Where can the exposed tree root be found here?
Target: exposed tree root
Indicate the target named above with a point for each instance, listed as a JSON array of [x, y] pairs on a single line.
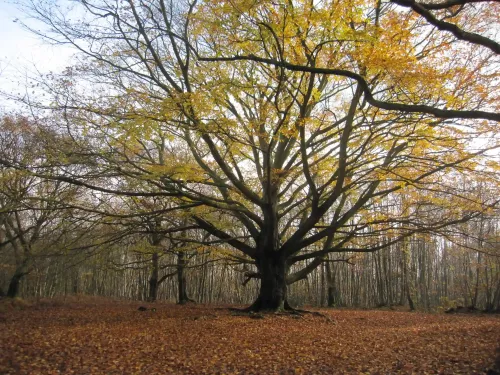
[[186, 301], [286, 310]]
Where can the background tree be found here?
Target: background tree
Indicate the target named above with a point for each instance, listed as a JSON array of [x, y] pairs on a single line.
[[35, 223]]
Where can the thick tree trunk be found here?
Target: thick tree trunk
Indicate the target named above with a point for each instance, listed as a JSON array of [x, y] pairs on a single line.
[[272, 293], [14, 284]]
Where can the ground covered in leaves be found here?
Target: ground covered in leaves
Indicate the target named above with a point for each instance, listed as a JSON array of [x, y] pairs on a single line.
[[112, 337]]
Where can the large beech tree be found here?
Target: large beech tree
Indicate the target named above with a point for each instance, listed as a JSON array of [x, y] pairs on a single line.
[[283, 123]]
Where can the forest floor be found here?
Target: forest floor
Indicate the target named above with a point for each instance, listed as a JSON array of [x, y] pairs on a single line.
[[113, 337]]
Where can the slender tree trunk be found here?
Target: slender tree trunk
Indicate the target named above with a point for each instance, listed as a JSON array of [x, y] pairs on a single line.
[[74, 286], [487, 285], [181, 279], [478, 264], [323, 285], [330, 282], [406, 281], [496, 300], [382, 301], [410, 300], [153, 280], [476, 286]]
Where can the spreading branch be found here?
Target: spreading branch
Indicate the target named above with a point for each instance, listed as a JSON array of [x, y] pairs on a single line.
[[363, 84]]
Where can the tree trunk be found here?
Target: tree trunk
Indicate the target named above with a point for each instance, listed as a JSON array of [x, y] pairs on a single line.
[[74, 285], [410, 300], [478, 276], [272, 293], [323, 286], [495, 306], [181, 279], [330, 282], [153, 280], [14, 284]]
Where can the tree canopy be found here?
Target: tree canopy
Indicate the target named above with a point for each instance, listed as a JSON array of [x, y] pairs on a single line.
[[282, 128]]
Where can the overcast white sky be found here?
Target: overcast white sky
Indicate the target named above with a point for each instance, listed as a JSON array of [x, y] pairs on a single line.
[[22, 53]]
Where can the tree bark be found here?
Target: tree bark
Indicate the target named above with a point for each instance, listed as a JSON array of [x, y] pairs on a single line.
[[181, 279], [14, 284], [330, 282], [272, 292], [74, 284], [153, 280], [15, 281]]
